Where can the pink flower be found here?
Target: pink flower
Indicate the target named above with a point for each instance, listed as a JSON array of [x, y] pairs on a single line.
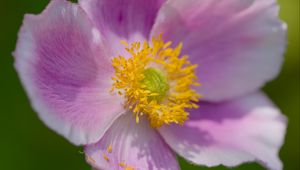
[[67, 59]]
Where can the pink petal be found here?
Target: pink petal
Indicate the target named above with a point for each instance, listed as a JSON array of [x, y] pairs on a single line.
[[123, 17], [238, 44], [135, 145], [131, 20], [65, 72], [244, 130]]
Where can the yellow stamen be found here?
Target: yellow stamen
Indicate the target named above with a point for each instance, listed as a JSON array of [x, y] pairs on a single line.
[[126, 167], [109, 148], [90, 159], [129, 168], [106, 157], [122, 164], [156, 81]]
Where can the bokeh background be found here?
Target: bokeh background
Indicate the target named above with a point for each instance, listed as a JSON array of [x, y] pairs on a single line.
[[27, 144]]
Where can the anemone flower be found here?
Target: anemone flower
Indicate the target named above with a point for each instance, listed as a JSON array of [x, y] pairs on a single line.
[[137, 81]]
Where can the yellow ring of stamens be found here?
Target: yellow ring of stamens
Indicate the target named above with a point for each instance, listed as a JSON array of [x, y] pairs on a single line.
[[156, 82]]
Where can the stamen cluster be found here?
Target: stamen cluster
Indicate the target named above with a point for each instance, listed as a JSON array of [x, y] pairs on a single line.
[[160, 106]]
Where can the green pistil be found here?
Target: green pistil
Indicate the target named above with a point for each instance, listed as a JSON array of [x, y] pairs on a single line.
[[155, 82]]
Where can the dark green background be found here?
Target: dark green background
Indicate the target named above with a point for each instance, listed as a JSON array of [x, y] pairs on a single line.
[[25, 142]]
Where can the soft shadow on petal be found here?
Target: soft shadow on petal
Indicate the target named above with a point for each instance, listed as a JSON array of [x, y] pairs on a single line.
[[238, 44], [123, 17], [135, 145], [129, 20], [247, 129], [66, 74]]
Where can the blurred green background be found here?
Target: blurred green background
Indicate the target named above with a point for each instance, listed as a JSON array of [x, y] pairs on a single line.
[[26, 144]]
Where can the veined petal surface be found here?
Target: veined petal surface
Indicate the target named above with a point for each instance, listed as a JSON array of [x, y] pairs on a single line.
[[66, 74], [131, 145], [238, 44], [246, 129]]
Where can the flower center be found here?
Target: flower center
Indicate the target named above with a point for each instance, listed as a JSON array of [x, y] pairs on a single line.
[[156, 81]]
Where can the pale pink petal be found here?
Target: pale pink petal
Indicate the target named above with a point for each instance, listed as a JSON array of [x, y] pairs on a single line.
[[238, 44], [62, 65], [118, 20], [244, 130], [123, 17], [135, 145]]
